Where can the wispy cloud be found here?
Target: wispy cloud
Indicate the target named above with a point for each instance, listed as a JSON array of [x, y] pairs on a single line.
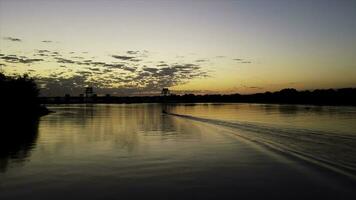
[[132, 52], [162, 65], [241, 60], [201, 60], [19, 59], [123, 57], [65, 61], [251, 87], [43, 51], [13, 39]]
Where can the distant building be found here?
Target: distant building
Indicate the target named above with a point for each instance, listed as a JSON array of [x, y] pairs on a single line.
[[89, 91], [165, 92]]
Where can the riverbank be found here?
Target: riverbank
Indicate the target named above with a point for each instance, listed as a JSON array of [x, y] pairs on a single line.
[[336, 97]]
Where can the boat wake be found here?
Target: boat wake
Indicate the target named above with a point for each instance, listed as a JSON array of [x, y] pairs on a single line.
[[334, 151]]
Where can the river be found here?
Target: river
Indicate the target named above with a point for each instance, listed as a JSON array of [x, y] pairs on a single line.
[[194, 151]]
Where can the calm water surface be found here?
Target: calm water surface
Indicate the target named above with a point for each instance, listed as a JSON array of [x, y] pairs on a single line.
[[322, 134], [206, 151]]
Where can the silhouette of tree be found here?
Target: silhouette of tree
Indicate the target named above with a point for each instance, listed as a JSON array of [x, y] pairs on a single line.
[[19, 97]]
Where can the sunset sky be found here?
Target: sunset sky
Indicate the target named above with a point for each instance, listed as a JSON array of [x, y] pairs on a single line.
[[202, 46]]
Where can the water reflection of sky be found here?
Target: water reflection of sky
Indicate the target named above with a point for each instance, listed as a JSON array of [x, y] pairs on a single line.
[[96, 151], [325, 118]]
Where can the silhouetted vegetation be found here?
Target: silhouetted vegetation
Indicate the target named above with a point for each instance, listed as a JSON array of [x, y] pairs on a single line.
[[345, 96], [19, 98]]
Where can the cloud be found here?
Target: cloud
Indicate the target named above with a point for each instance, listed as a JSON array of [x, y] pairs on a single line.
[[123, 57], [85, 73], [201, 60], [57, 74], [13, 39], [146, 80], [77, 57], [41, 54], [251, 87], [97, 63], [132, 52], [94, 69], [52, 86], [43, 51], [19, 59], [243, 61], [65, 61], [130, 69], [154, 79], [118, 66], [125, 76], [121, 66], [150, 69], [135, 60], [162, 65]]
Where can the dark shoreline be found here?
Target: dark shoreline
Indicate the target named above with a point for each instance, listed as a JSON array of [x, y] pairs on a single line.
[[203, 102], [329, 97]]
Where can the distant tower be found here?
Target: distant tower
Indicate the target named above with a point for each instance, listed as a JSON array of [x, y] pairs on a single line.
[[89, 92], [165, 92]]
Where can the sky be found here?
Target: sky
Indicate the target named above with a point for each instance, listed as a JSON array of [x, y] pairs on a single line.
[[133, 47]]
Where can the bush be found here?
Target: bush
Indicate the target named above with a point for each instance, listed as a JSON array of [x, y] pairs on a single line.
[[19, 96]]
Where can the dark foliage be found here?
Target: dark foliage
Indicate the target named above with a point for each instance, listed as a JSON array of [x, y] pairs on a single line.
[[345, 96], [19, 97]]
